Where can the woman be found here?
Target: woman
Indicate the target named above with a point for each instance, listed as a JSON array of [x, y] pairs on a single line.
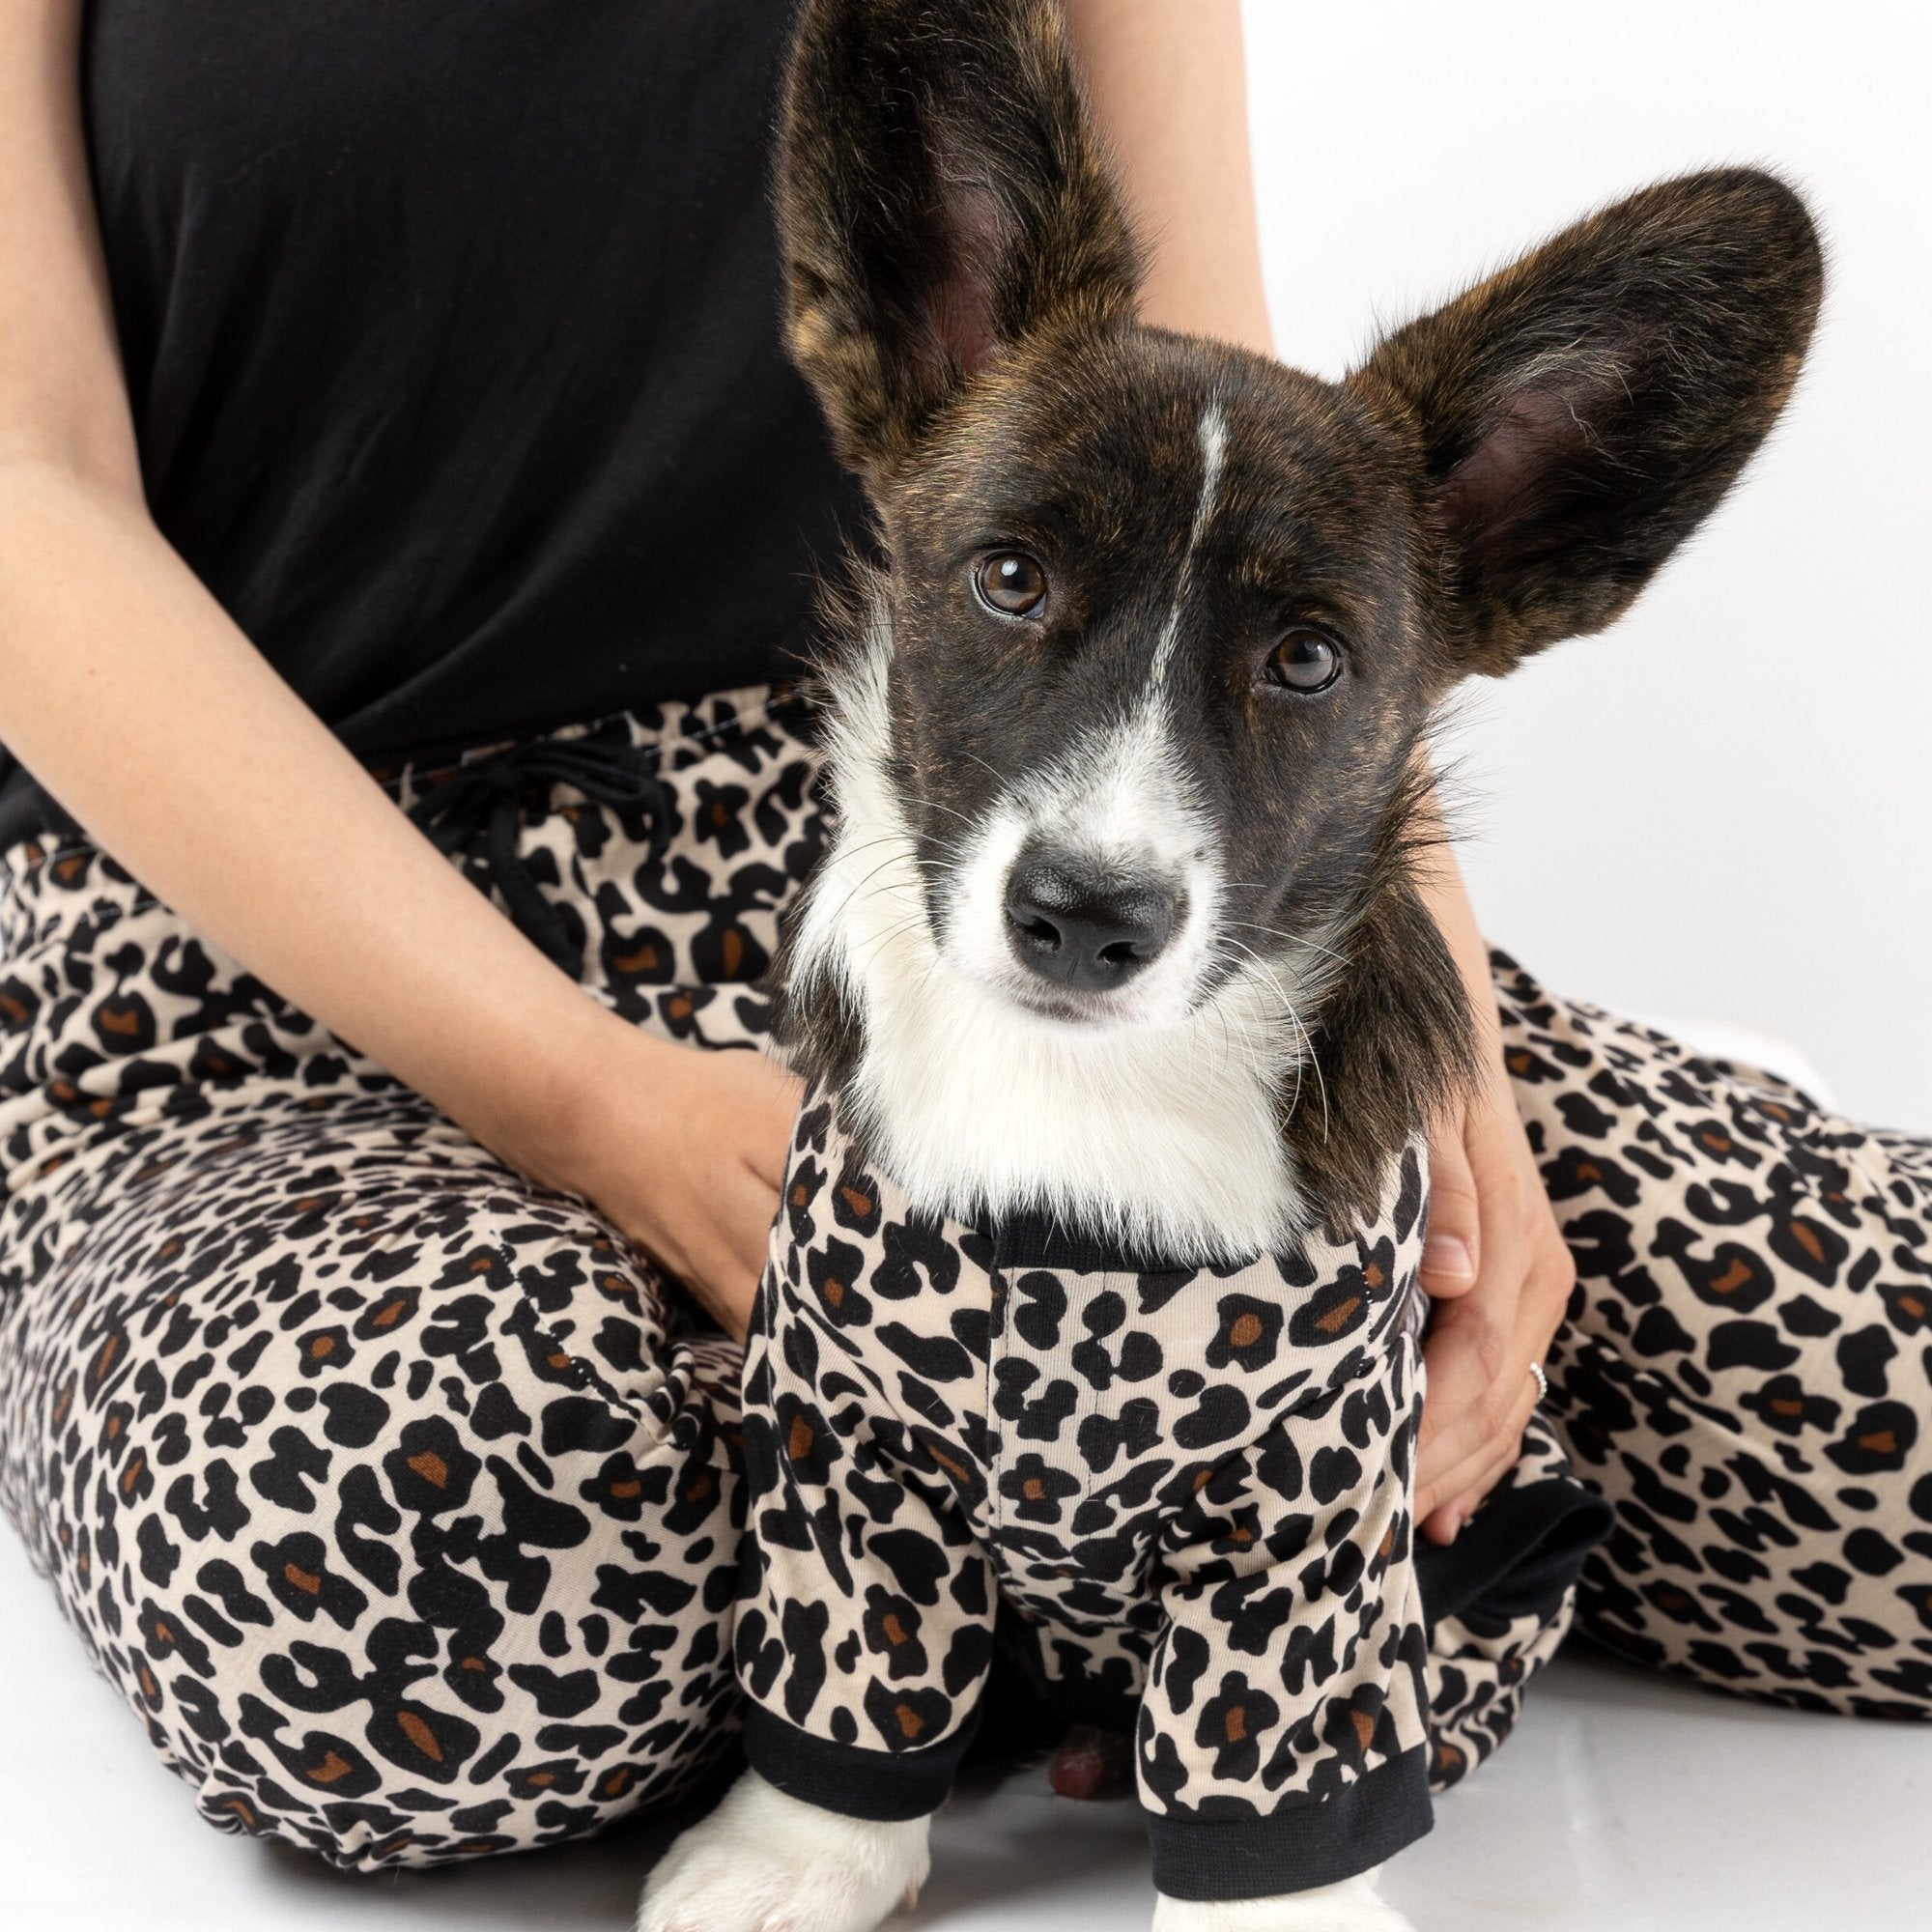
[[394, 441]]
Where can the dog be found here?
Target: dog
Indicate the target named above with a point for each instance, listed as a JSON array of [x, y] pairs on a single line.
[[1116, 981]]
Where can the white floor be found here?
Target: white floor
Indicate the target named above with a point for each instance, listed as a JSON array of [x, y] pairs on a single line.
[[1623, 1805]]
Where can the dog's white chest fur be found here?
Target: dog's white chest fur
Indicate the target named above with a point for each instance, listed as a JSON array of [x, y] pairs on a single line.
[[1165, 1135]]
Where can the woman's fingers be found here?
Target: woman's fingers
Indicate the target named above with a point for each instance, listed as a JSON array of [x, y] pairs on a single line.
[[1452, 1250], [1472, 1336], [1484, 1442], [769, 1138], [696, 1184], [1481, 1391], [1467, 1408], [744, 1230], [1449, 1520], [1546, 1294], [1477, 1351], [1486, 1332], [711, 1238]]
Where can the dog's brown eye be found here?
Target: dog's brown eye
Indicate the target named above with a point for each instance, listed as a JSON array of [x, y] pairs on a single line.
[[1305, 662], [1011, 583]]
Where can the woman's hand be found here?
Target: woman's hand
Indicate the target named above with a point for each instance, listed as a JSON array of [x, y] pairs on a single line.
[[695, 1174], [701, 1188], [1497, 1267], [1495, 1262], [684, 1150]]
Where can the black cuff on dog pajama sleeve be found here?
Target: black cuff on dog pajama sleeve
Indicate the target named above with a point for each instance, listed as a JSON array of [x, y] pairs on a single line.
[[887, 1787], [1304, 1842]]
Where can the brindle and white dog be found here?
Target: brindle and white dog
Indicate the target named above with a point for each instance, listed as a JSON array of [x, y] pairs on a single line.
[[1118, 922]]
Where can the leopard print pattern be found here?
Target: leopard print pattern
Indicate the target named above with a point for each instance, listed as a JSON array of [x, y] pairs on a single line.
[[1191, 1485], [310, 1407], [397, 1495], [1745, 1373]]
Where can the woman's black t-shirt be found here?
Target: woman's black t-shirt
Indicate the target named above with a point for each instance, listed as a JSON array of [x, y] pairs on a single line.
[[451, 328]]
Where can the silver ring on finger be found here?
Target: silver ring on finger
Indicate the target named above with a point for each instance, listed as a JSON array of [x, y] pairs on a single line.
[[1542, 1381]]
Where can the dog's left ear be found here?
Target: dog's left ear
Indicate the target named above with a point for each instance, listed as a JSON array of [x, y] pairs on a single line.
[[1580, 412], [941, 194]]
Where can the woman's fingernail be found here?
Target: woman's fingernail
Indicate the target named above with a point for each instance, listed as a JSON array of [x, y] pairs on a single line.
[[1448, 1256]]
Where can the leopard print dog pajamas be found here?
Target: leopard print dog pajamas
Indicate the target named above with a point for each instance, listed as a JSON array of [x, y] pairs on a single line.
[[1185, 1489]]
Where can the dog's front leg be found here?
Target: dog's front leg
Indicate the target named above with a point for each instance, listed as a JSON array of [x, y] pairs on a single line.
[[765, 1862], [1294, 1645], [1352, 1906]]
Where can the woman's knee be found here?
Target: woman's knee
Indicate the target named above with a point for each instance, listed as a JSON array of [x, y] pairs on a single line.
[[431, 1571], [395, 1633]]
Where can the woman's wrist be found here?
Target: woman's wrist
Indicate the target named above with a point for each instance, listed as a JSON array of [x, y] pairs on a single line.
[[561, 1117]]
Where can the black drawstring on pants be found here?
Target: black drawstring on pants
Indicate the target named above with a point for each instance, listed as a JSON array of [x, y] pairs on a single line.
[[487, 797]]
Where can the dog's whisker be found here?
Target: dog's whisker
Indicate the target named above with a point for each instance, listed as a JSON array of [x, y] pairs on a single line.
[[893, 932], [845, 903], [1280, 933], [1299, 940], [1307, 1057]]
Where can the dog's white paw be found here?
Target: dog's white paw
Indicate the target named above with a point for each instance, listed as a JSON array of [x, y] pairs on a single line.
[[765, 1862], [1352, 1906]]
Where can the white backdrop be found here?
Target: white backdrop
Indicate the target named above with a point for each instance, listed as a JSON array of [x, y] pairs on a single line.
[[1720, 808]]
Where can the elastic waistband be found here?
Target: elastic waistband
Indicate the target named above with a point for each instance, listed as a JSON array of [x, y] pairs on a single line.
[[617, 763], [476, 802], [662, 731]]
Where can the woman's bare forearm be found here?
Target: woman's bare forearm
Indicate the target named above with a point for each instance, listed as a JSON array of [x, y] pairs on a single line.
[[1167, 84], [130, 695]]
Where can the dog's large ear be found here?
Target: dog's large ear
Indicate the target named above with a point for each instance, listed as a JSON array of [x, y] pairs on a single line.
[[941, 193], [1582, 411]]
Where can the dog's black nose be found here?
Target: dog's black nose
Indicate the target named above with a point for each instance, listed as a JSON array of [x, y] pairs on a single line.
[[1080, 930]]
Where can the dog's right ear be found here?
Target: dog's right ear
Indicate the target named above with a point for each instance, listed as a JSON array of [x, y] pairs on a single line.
[[941, 194]]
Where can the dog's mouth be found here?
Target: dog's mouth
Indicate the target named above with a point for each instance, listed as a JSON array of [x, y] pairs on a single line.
[[1063, 1008]]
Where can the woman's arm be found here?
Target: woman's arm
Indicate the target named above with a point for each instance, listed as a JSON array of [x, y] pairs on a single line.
[[1496, 1262], [133, 698], [1167, 84]]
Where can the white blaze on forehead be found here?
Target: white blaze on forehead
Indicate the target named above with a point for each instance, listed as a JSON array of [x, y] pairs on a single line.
[[1212, 433]]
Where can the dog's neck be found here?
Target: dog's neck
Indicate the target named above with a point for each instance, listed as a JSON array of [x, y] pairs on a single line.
[[1165, 1139]]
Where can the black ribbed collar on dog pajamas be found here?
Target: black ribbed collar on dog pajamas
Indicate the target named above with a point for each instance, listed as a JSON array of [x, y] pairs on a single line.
[[1189, 1486]]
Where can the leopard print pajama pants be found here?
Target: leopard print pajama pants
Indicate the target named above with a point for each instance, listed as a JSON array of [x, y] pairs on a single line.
[[402, 1500]]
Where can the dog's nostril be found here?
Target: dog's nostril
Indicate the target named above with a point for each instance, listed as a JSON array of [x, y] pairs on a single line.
[[1078, 929]]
